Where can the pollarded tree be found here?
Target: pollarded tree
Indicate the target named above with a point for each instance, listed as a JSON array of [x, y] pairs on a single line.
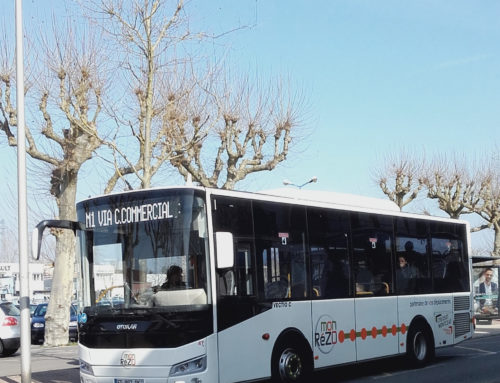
[[488, 203], [450, 183], [250, 129], [145, 37], [180, 114], [399, 179], [68, 89]]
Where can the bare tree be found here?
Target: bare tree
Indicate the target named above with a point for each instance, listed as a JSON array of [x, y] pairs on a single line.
[[399, 179], [487, 204], [146, 37], [68, 90], [250, 129], [450, 183], [181, 114]]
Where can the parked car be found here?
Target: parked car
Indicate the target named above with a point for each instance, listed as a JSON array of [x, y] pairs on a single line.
[[10, 328], [38, 324], [33, 307]]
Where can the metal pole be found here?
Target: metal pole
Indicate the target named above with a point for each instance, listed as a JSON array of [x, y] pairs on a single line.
[[22, 208]]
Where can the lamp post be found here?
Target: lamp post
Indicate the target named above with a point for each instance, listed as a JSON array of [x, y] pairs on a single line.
[[22, 205], [290, 183]]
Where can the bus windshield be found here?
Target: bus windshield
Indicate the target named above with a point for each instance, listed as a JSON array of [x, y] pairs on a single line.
[[144, 250]]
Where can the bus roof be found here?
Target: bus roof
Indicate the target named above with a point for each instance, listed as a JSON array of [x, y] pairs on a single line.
[[334, 198]]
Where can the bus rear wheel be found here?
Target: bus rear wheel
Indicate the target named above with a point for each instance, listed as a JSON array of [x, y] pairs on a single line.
[[290, 363], [419, 345]]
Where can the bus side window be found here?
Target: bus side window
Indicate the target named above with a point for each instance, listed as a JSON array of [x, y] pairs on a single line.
[[449, 267], [372, 251]]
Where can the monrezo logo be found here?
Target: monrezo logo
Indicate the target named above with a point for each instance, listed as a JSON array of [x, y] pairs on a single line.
[[325, 335]]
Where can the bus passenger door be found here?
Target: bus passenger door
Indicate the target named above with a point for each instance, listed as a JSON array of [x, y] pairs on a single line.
[[377, 331], [333, 332], [332, 307], [239, 317]]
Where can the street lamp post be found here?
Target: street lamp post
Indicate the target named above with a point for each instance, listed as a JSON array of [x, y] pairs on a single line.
[[22, 204], [290, 183]]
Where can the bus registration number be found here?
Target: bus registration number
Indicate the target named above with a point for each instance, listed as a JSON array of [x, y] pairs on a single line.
[[129, 380]]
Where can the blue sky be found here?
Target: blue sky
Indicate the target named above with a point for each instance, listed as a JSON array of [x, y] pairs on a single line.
[[378, 76]]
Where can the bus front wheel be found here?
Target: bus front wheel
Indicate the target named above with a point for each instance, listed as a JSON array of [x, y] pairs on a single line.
[[290, 363], [419, 345]]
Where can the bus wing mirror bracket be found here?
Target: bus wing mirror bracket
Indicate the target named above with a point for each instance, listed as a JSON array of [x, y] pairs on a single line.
[[37, 234], [225, 249]]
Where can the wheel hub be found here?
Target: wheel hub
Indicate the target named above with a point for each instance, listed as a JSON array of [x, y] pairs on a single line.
[[290, 365], [420, 346]]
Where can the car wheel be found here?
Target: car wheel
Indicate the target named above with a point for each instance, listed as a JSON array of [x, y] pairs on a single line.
[[9, 352]]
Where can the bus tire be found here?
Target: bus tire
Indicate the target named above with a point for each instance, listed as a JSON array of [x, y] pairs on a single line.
[[291, 361], [419, 344]]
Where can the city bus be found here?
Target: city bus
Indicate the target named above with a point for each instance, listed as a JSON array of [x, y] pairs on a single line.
[[276, 284]]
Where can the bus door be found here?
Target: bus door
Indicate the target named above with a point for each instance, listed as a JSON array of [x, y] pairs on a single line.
[[332, 310], [377, 332], [333, 317], [238, 317]]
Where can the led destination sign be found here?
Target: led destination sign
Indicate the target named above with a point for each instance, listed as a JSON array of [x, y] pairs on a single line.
[[128, 214]]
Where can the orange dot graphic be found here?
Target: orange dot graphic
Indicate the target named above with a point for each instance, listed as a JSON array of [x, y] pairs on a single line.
[[374, 332], [403, 329], [352, 335], [394, 329], [341, 336], [363, 333], [384, 331]]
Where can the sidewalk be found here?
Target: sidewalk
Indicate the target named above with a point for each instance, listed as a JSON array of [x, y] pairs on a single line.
[[487, 329], [48, 365]]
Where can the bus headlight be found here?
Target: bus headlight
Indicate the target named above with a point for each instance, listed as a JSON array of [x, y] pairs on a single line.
[[189, 367], [86, 368]]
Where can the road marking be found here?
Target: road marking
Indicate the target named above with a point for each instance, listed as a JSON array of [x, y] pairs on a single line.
[[477, 349]]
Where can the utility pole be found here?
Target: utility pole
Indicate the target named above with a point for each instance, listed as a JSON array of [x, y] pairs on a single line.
[[22, 207]]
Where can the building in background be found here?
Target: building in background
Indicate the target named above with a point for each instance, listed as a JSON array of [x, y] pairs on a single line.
[[9, 282]]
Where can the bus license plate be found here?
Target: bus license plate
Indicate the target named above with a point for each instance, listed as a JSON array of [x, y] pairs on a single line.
[[129, 380]]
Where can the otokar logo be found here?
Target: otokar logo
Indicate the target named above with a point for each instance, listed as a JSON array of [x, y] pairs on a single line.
[[325, 336], [128, 326]]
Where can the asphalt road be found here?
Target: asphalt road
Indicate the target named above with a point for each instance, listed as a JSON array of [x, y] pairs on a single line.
[[60, 364]]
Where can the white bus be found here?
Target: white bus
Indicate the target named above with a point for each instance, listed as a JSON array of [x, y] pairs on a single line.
[[274, 285]]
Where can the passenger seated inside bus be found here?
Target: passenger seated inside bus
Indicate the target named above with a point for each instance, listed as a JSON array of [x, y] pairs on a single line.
[[406, 276]]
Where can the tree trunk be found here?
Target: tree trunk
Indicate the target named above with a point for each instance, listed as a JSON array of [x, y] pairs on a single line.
[[57, 318], [496, 246]]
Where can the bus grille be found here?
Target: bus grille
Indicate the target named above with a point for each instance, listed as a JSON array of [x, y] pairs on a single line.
[[461, 303], [462, 324]]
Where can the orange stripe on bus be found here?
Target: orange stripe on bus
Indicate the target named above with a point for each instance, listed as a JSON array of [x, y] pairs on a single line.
[[374, 332]]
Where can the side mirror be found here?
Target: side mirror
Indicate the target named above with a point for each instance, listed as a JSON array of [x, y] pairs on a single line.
[[37, 234], [36, 242], [224, 249]]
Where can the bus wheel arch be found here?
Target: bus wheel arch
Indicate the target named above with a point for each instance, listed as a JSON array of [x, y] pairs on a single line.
[[291, 359], [420, 347]]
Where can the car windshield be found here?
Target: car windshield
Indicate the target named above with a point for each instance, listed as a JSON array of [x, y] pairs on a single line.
[[9, 308], [144, 249], [41, 310]]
